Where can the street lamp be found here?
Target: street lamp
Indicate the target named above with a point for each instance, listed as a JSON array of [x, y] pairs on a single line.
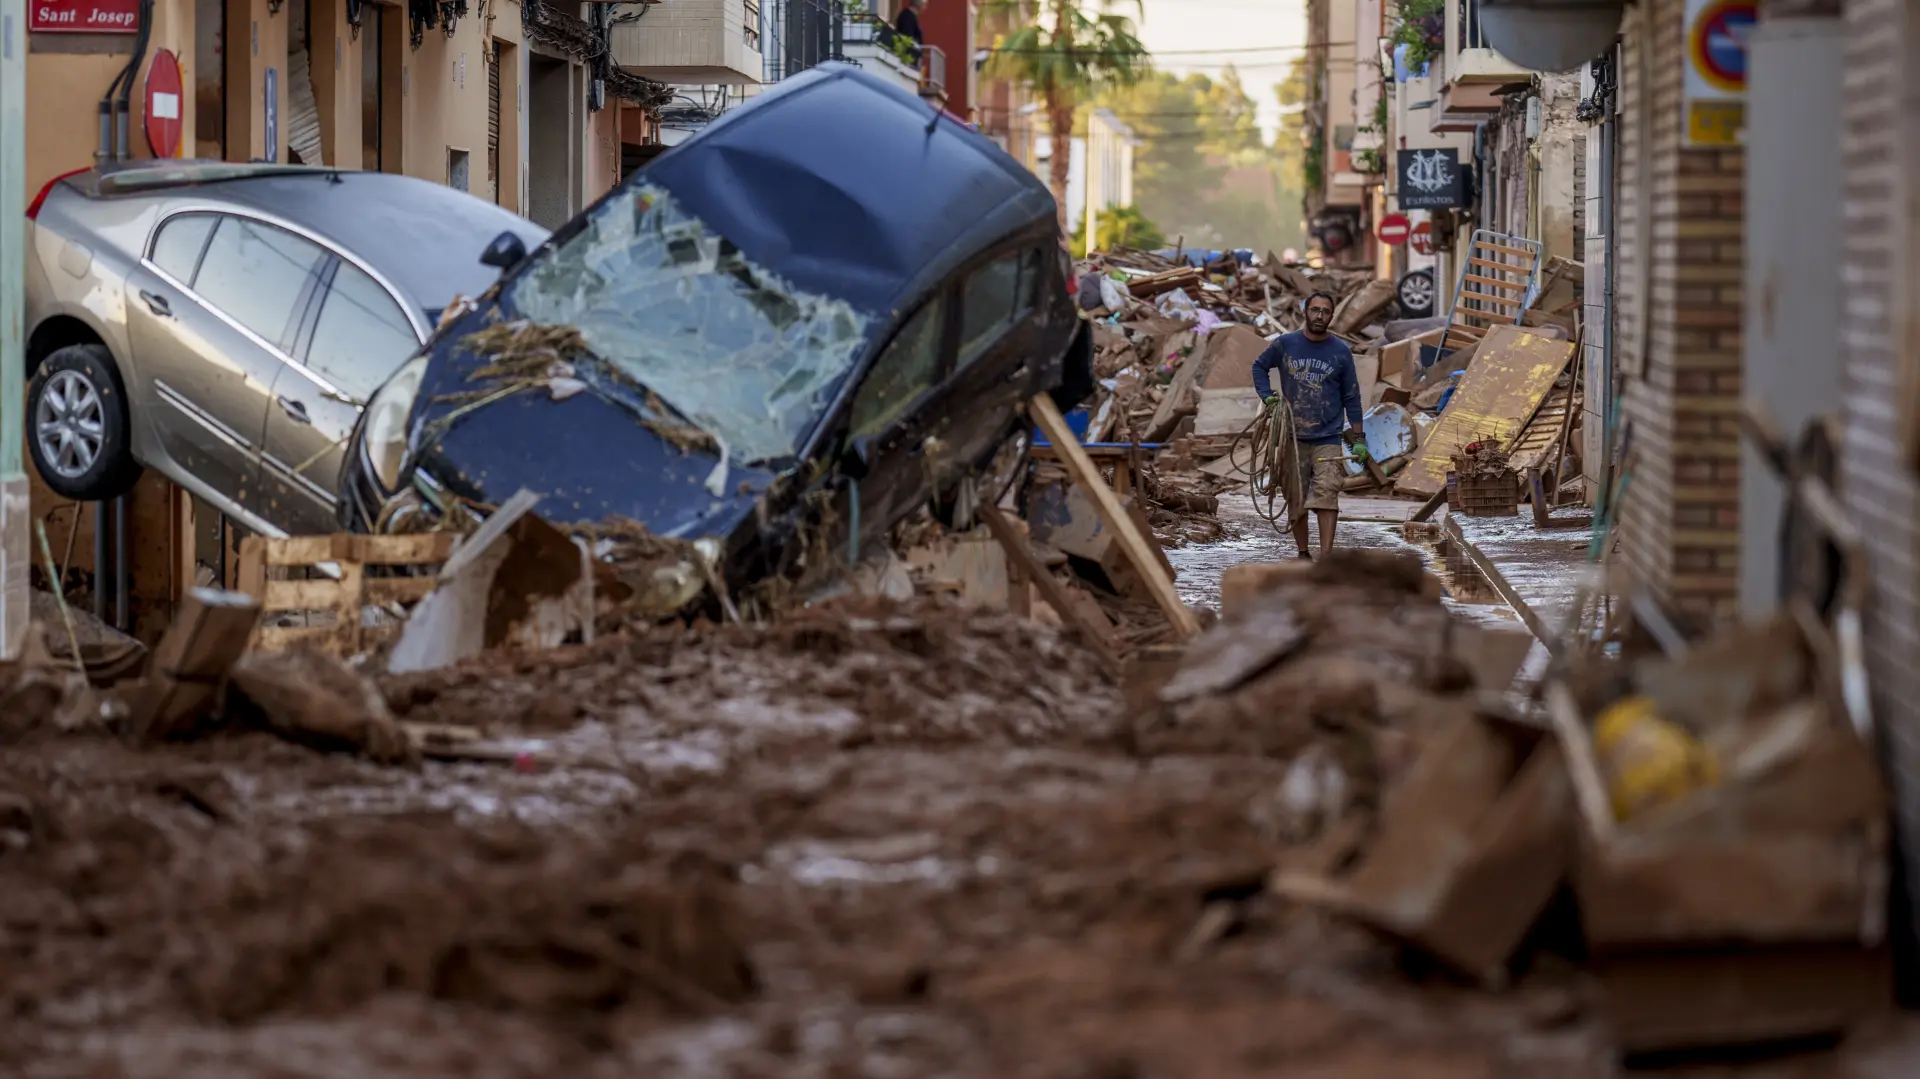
[[14, 511]]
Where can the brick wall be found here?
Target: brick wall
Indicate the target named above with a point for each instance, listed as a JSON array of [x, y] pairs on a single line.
[[1881, 491], [1680, 524]]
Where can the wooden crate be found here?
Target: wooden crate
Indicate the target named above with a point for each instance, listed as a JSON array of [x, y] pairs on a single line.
[[1483, 496], [333, 611]]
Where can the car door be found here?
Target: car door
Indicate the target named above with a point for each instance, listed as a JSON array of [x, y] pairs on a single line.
[[997, 349], [209, 311], [356, 334], [890, 417]]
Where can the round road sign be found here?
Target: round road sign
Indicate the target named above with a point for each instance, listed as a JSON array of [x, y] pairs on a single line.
[[1717, 43], [1422, 239], [163, 105], [1394, 228]]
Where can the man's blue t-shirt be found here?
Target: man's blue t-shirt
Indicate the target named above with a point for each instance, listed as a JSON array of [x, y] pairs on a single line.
[[1318, 380]]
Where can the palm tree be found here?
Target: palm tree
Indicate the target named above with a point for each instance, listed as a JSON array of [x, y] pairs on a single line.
[[1080, 54]]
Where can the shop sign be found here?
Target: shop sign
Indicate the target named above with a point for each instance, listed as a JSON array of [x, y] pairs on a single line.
[[1431, 180]]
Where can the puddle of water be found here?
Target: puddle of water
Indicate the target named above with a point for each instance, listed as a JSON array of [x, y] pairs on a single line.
[[1198, 568]]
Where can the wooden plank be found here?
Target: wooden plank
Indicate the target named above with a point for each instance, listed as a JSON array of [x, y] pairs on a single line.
[[1020, 556], [1517, 286], [1505, 250], [382, 590], [321, 595], [1511, 373], [1487, 297], [346, 627], [253, 566], [406, 550], [279, 638], [302, 550], [207, 637], [1139, 548], [1505, 266]]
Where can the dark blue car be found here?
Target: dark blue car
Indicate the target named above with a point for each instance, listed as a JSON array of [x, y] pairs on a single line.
[[822, 312]]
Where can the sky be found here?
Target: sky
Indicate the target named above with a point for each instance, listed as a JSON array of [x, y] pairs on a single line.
[[1259, 37]]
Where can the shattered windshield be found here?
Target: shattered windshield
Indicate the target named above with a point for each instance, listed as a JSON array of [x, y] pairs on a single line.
[[680, 310]]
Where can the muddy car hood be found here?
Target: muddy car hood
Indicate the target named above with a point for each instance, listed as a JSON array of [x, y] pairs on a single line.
[[589, 459]]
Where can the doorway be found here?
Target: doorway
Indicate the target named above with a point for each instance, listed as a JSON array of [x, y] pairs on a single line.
[[210, 79], [550, 140]]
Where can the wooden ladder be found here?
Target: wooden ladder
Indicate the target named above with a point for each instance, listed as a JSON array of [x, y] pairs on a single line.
[[1496, 280]]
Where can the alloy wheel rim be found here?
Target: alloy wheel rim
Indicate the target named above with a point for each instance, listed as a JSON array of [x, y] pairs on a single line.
[[70, 424], [1416, 292]]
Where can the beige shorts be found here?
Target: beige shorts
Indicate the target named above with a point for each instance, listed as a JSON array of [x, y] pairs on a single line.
[[1323, 472]]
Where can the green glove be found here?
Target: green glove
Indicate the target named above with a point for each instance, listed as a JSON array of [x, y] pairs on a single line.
[[1360, 452]]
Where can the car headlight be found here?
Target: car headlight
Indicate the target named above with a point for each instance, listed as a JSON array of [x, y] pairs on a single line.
[[386, 432]]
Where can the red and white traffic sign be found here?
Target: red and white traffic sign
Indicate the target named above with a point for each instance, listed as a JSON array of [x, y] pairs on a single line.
[[1423, 238], [83, 16], [163, 105], [1393, 229]]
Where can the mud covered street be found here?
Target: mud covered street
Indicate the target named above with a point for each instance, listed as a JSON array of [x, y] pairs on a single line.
[[871, 840]]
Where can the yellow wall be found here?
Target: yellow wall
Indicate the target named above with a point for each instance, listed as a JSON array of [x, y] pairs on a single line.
[[64, 90]]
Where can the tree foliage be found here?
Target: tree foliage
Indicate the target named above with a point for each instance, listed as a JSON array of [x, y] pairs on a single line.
[[1202, 168], [1119, 226], [1063, 52]]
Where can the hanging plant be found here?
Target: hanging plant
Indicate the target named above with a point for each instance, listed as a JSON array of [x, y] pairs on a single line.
[[1422, 27]]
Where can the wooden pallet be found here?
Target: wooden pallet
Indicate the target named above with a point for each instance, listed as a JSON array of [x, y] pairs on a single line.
[[286, 576], [1495, 278]]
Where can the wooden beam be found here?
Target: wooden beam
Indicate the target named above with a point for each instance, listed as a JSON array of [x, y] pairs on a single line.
[[1021, 556], [1140, 549], [1516, 286]]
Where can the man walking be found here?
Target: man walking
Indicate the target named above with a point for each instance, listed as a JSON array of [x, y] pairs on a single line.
[[1318, 382]]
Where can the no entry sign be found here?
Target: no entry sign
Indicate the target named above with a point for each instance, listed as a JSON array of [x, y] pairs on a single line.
[[1394, 229], [83, 16], [1423, 238], [163, 105]]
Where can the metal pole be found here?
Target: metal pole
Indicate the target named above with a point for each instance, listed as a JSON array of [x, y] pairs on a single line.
[[15, 556]]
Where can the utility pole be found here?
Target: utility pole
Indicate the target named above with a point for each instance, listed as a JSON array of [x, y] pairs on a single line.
[[15, 544]]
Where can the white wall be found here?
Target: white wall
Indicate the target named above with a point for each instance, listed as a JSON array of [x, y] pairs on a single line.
[[1795, 191]]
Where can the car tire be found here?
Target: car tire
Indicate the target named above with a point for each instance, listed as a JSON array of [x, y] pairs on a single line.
[[1416, 294], [79, 431], [993, 479]]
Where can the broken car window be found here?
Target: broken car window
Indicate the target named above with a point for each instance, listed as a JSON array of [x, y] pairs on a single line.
[[993, 298], [676, 307], [905, 370]]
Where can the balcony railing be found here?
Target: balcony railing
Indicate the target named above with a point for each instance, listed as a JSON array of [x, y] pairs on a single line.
[[933, 70]]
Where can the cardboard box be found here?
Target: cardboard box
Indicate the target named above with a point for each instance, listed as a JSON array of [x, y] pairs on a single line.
[[1470, 847]]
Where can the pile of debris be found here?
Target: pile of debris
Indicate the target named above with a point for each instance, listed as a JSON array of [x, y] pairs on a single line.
[[1175, 345]]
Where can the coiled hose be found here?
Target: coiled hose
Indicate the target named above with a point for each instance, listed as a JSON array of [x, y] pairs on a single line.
[[1273, 469]]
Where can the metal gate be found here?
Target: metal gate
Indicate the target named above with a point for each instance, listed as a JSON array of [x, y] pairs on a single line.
[[493, 126]]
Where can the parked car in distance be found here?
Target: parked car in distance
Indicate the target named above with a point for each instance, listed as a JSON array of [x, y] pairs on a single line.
[[224, 323], [820, 313]]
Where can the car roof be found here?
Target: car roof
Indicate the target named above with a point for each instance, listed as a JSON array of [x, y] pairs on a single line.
[[851, 187], [425, 238]]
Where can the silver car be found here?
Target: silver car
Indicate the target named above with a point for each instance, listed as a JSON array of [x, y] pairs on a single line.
[[224, 323]]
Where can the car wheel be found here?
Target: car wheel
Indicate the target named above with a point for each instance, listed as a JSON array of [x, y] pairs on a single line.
[[78, 426], [1416, 294], [959, 509]]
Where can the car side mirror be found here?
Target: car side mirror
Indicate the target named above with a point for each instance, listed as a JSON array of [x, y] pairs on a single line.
[[856, 460], [505, 252]]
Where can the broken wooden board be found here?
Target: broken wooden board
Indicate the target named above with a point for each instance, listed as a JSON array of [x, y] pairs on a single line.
[[1141, 549], [1092, 625], [208, 636], [1541, 436], [1512, 372]]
